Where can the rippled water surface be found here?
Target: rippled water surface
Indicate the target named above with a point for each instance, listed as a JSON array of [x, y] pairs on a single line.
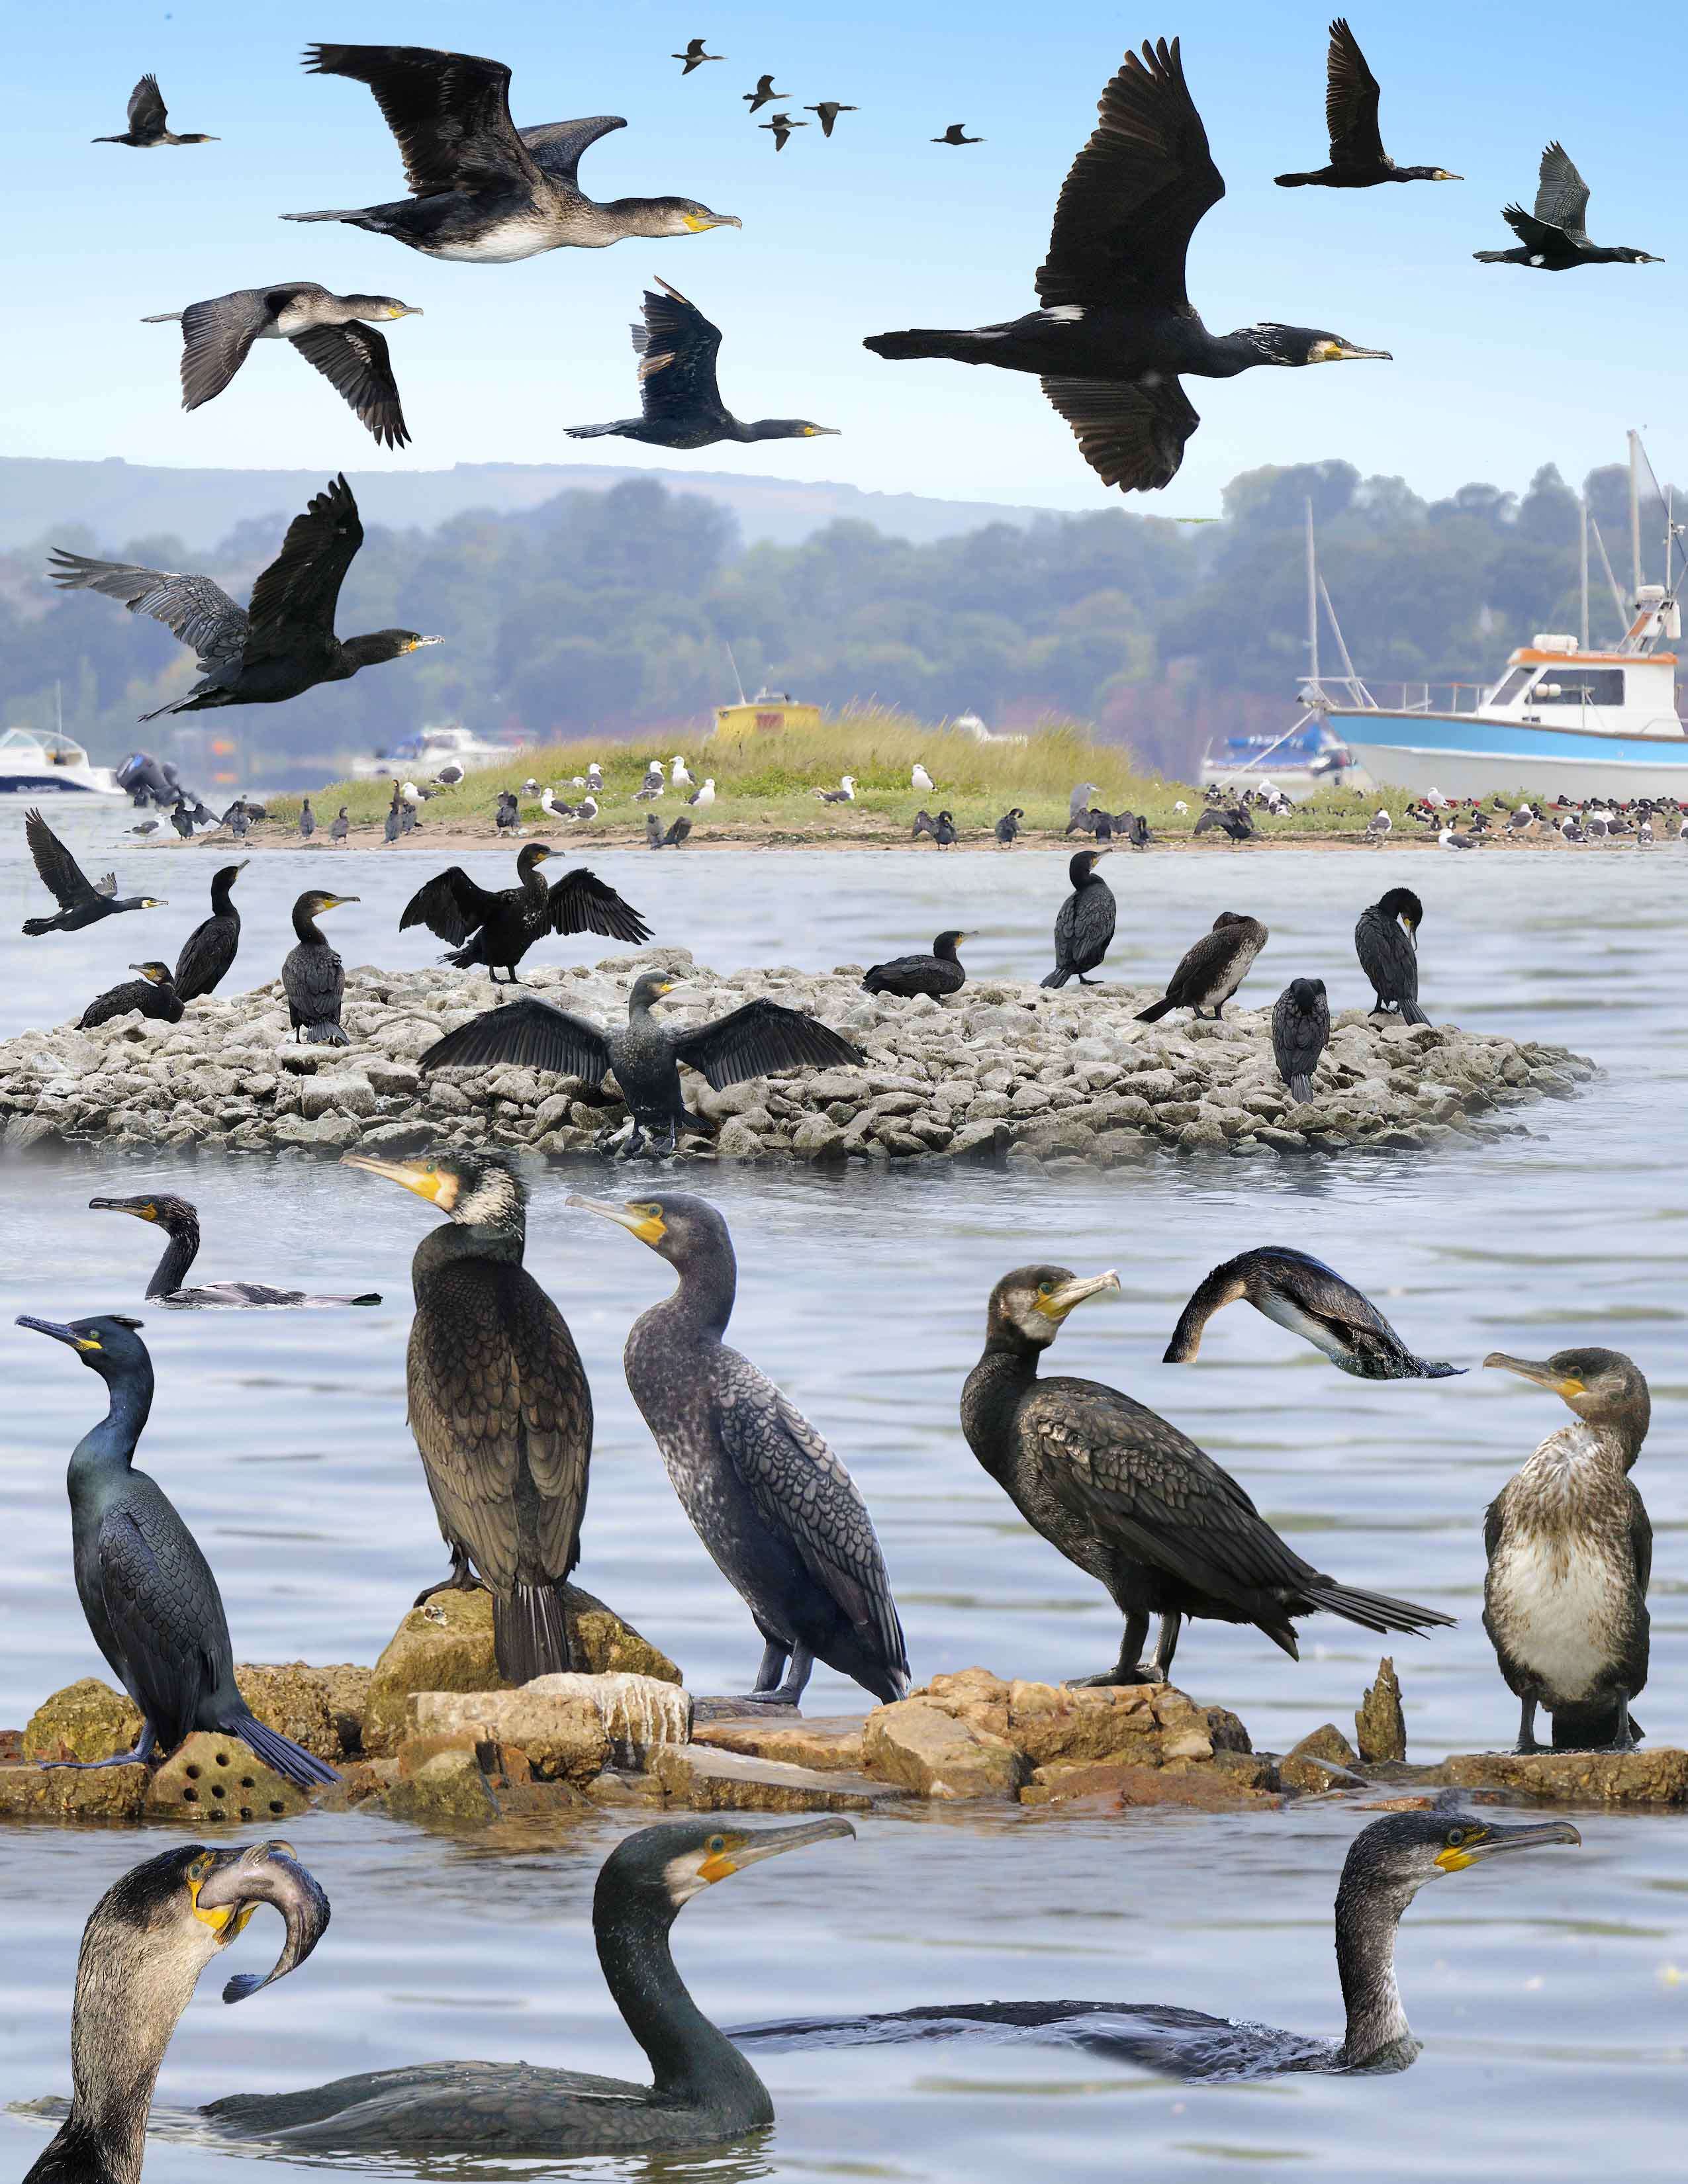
[[1551, 1993]]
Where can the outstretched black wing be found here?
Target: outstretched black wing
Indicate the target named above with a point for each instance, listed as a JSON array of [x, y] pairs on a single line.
[[760, 1037], [580, 902], [450, 905], [530, 1032], [557, 145], [1350, 101], [216, 339], [1130, 436], [63, 878], [448, 113], [677, 347], [191, 608], [1562, 194], [147, 113], [355, 362], [296, 596], [165, 1612]]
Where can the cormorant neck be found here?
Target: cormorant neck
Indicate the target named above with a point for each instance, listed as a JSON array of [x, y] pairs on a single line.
[[709, 1282], [692, 2063], [111, 1444], [1368, 1916], [1006, 1370], [306, 928], [371, 650], [222, 902], [453, 1241], [129, 2000], [180, 1253]]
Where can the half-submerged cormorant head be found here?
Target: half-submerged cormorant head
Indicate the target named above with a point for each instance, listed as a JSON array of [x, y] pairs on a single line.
[[109, 1345], [1298, 345], [1395, 1855], [175, 1215], [1603, 1386], [479, 1189], [1030, 1305], [667, 1866], [678, 1227], [1402, 903]]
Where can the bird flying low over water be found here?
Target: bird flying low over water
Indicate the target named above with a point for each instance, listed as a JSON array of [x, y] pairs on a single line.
[[1312, 1301], [147, 119], [1358, 160], [694, 56], [1553, 239], [81, 903], [1117, 329], [829, 110]]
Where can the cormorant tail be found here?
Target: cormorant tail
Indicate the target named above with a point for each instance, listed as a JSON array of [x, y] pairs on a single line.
[[530, 1633], [873, 984], [1372, 1611], [1154, 1011], [325, 1034], [923, 340], [1411, 1013], [1589, 1729], [35, 927], [275, 1750], [1058, 977], [1300, 1089], [1427, 1369], [598, 432], [1292, 181], [1493, 257]]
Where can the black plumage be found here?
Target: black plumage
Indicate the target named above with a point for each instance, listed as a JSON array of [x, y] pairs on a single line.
[[764, 94], [151, 995], [179, 1220], [1312, 1301], [673, 838], [1235, 823], [497, 927], [148, 121], [82, 901], [1553, 239], [694, 56], [209, 952], [1358, 160], [1008, 827], [1209, 971], [829, 110], [938, 974], [1386, 942], [1084, 923], [313, 976], [1301, 1032]]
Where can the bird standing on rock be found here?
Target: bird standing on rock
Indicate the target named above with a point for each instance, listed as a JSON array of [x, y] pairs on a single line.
[[1084, 924], [1386, 942], [151, 995], [313, 976], [496, 927], [1301, 1032], [1211, 971], [937, 975], [209, 952]]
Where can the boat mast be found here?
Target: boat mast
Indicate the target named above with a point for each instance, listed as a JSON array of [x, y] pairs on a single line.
[[1582, 570], [1635, 507], [1312, 595]]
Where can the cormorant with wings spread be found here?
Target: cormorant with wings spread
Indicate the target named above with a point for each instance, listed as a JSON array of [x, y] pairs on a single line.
[[498, 927], [80, 901], [1358, 160], [1553, 238]]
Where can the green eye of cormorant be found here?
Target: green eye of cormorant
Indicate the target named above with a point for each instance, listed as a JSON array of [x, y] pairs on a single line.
[[1045, 1288], [716, 1845]]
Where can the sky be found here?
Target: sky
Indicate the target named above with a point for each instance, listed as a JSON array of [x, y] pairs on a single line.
[[1496, 370]]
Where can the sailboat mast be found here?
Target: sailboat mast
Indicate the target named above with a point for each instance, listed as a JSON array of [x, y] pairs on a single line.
[[1313, 594], [1582, 569], [1636, 507]]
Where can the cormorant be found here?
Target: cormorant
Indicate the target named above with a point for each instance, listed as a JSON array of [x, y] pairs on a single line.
[[937, 974], [694, 56], [1358, 160], [782, 1518], [181, 1223], [782, 125], [1130, 1499], [306, 823], [284, 644], [1117, 329], [764, 94], [1084, 923], [1235, 823], [1553, 238], [208, 951], [496, 927], [148, 117], [829, 110], [1386, 942], [1008, 826], [217, 336], [1389, 1861], [1211, 971], [147, 1941], [704, 2092], [238, 820], [1301, 1032], [151, 995], [181, 819], [499, 1404], [1570, 1553], [675, 839], [313, 976], [481, 189], [943, 830], [81, 902], [956, 133], [679, 394], [1312, 1301], [151, 1601]]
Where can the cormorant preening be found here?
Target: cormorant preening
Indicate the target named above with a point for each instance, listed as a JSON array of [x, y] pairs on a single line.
[[957, 133], [181, 1223], [218, 334], [1358, 160], [499, 1404], [755, 1040], [1084, 924], [151, 995], [313, 976], [704, 2091], [782, 1518], [284, 643], [829, 110], [81, 902], [341, 828], [1388, 1863], [1386, 942], [1301, 1032], [1570, 1553], [481, 189], [1008, 826], [1130, 1499], [1553, 238], [208, 951], [148, 1594], [694, 56], [497, 927], [1117, 328], [679, 395], [147, 1941], [1211, 971], [939, 974], [1312, 1301], [764, 94], [148, 117]]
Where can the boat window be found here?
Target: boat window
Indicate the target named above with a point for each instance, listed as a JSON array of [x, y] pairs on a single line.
[[1579, 686], [1509, 688]]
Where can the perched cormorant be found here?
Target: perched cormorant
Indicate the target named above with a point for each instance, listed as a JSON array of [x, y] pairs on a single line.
[[675, 839], [151, 995], [1008, 826], [1358, 160], [956, 133], [500, 1404], [1117, 329], [829, 110], [704, 2092], [180, 1222], [151, 1601], [1235, 824], [1084, 923], [182, 819], [341, 828], [496, 927], [81, 903], [218, 334], [782, 1518], [313, 976], [1553, 238], [481, 189], [1301, 1032], [1386, 942], [764, 94], [307, 820], [284, 644], [147, 1941], [755, 1040], [679, 395], [694, 56], [208, 951], [1570, 1553], [1312, 1301], [148, 117], [1211, 971], [1131, 1500], [937, 974]]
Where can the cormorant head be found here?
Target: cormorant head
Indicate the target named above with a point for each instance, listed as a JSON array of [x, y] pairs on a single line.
[[1599, 1385], [160, 1924], [225, 876], [1028, 1306], [1084, 864], [684, 216], [1306, 993], [1395, 1855], [1426, 175], [1230, 917], [533, 853], [1297, 345], [175, 1215], [679, 1228], [109, 1345], [381, 645], [793, 428], [477, 1189], [1626, 255], [651, 986], [381, 307], [155, 974], [314, 901], [1403, 904], [667, 1866], [947, 943]]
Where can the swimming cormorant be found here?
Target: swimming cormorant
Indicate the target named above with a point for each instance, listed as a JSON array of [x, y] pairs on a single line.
[[147, 119], [1386, 942], [694, 56], [937, 974], [151, 1601], [764, 94], [497, 927], [208, 951], [956, 133], [1301, 1032], [81, 903], [829, 110], [151, 995], [1084, 924], [481, 189], [1570, 1553], [313, 976], [679, 394], [1211, 971], [498, 1404], [1117, 329], [1358, 160], [1130, 1499], [180, 1222], [1553, 238], [782, 1518], [1312, 1301]]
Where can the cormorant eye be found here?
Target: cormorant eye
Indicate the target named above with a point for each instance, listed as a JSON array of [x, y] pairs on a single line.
[[199, 1868], [1045, 1288], [1456, 1838], [716, 1845]]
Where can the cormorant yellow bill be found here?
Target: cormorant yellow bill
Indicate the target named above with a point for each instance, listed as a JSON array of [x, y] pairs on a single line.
[[1469, 1841], [428, 1178], [1333, 350], [1057, 1299], [1545, 1375], [640, 1218], [72, 1337], [730, 1851]]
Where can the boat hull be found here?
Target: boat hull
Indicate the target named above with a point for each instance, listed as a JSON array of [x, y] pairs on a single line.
[[58, 782], [1464, 755]]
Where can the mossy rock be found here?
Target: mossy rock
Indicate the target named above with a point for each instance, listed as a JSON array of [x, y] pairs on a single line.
[[86, 1720]]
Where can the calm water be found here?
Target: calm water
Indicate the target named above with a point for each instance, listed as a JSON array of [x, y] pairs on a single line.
[[1552, 1995]]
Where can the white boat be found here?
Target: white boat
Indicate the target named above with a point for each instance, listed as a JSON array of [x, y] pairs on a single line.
[[45, 762], [431, 750]]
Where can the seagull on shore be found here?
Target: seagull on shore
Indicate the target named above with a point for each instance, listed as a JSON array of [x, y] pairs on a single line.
[[920, 780], [1380, 827], [448, 775], [654, 784], [679, 775], [843, 793], [705, 795], [1450, 840]]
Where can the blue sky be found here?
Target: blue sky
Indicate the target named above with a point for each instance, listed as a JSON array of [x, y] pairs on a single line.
[[1496, 370]]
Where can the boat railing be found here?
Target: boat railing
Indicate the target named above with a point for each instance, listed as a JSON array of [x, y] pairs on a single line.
[[1350, 695]]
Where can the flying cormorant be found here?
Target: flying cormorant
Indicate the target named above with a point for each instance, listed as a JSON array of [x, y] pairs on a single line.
[[694, 56], [1084, 924], [829, 110], [782, 1518], [1386, 942], [1117, 329], [764, 94], [148, 117], [151, 1601], [180, 1222], [1312, 1301], [81, 903], [1301, 1032], [1553, 238], [151, 995], [496, 927], [1130, 1499], [313, 976], [1358, 160], [956, 133], [937, 974], [208, 951], [1211, 971], [782, 125]]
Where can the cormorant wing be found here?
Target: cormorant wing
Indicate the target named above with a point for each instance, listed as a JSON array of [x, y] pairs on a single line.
[[1387, 958], [193, 608], [448, 113], [1135, 194], [163, 1607], [62, 877], [295, 597], [1130, 436], [760, 1037], [1562, 194], [355, 362], [557, 145], [580, 902], [449, 904], [1641, 1542], [531, 1032], [147, 114], [106, 884], [1197, 963], [216, 338], [1352, 94], [1535, 235], [676, 357]]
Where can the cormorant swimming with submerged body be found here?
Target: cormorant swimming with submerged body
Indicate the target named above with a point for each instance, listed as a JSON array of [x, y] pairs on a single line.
[[151, 995], [313, 976], [1084, 923], [497, 927], [1386, 942], [209, 952], [1130, 1499], [782, 1518], [1211, 971], [180, 1222], [938, 974], [1570, 1554], [148, 120], [1312, 1301], [1553, 239], [81, 902], [1301, 1032], [151, 1601], [1358, 160], [499, 1404]]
